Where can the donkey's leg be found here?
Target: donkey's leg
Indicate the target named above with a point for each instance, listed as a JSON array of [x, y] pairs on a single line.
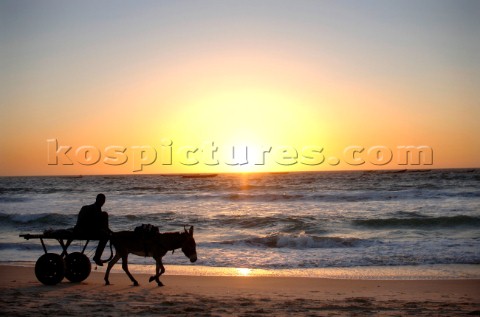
[[125, 268], [157, 269], [159, 266], [110, 265]]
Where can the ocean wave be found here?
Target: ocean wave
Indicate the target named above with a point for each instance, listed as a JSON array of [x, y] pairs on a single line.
[[38, 190], [289, 223], [15, 190], [411, 214], [4, 199], [390, 194], [153, 218], [20, 246], [147, 188], [246, 222], [299, 241], [53, 219], [420, 222], [263, 197]]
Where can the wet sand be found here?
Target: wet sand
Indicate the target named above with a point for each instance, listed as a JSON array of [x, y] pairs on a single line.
[[22, 295]]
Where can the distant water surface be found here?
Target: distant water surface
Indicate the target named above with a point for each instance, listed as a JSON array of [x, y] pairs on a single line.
[[267, 221]]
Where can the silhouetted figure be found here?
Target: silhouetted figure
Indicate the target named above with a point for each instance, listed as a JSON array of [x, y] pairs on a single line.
[[93, 222]]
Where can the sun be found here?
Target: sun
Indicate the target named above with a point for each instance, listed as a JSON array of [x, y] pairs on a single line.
[[244, 271], [244, 123]]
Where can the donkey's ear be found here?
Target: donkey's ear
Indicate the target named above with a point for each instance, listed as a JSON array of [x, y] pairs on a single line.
[[191, 231]]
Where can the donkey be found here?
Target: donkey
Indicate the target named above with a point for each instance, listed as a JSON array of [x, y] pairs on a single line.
[[126, 242]]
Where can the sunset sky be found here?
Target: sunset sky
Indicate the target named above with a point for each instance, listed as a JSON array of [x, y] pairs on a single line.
[[330, 74]]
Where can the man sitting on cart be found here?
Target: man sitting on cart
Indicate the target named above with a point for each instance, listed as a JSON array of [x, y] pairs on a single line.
[[92, 223]]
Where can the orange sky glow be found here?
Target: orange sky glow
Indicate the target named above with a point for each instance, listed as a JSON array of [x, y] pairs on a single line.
[[172, 77]]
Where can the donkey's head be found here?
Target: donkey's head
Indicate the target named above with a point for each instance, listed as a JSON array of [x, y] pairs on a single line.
[[189, 247]]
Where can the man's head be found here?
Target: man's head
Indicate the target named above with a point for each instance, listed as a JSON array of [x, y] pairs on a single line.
[[100, 200]]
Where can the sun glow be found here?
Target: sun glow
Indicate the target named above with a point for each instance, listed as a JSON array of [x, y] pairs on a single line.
[[244, 75], [244, 271], [244, 116], [237, 119]]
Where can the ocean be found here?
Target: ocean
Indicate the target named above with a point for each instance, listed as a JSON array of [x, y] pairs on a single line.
[[371, 224]]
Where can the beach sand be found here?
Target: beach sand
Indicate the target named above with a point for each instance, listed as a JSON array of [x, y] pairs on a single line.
[[22, 295]]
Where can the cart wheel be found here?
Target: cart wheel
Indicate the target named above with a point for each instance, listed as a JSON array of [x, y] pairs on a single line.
[[77, 267], [50, 269]]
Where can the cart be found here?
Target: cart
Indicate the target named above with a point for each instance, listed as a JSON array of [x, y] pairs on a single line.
[[51, 268]]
